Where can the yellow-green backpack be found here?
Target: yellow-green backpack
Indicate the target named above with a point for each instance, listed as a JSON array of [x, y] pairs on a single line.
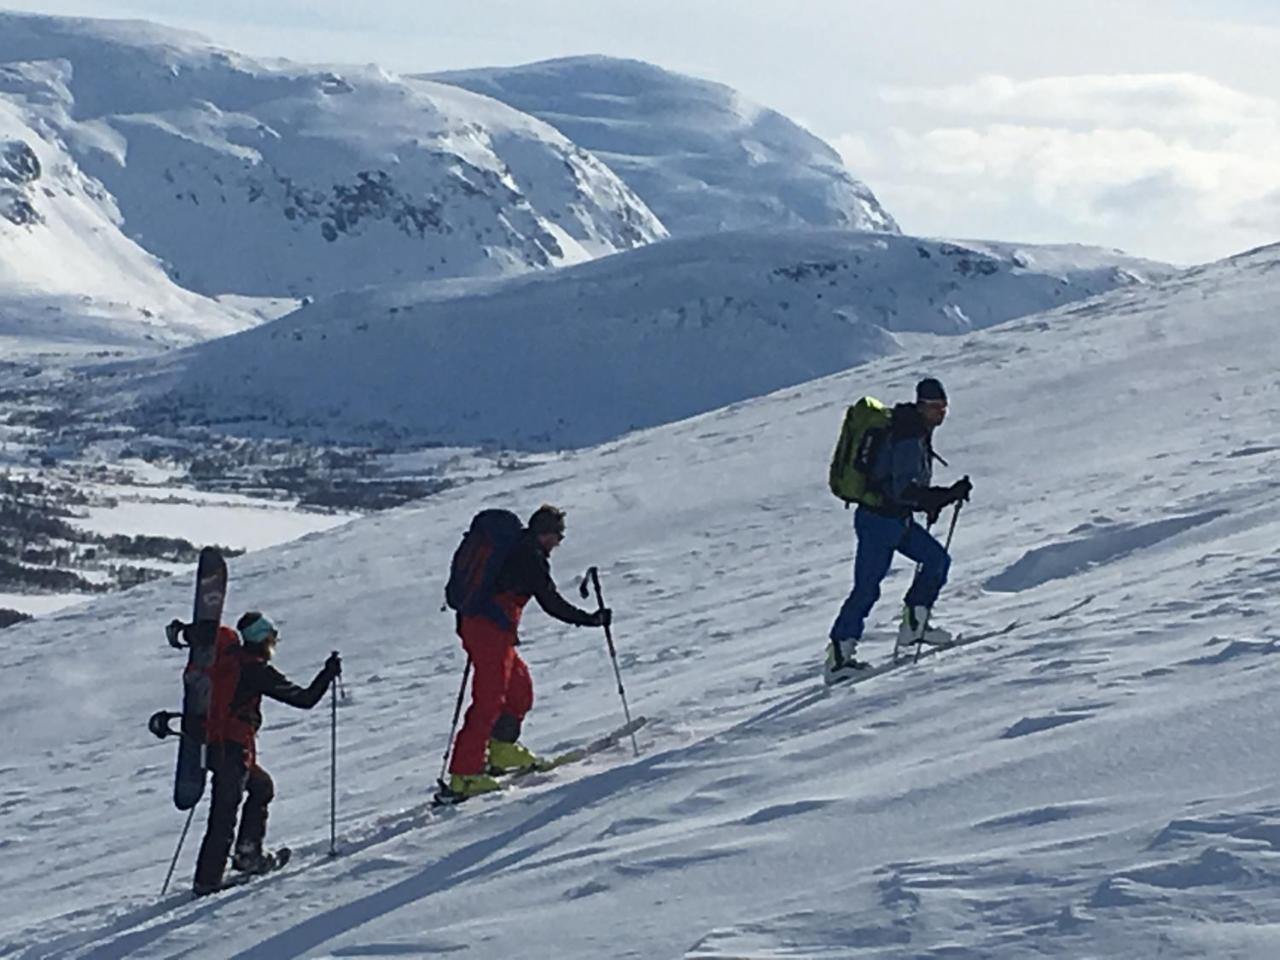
[[865, 427]]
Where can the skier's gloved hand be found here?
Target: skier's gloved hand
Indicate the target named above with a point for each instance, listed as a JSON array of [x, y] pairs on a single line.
[[961, 489], [932, 500], [333, 666], [602, 617]]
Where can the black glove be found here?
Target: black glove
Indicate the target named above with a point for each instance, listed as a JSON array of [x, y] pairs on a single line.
[[931, 500], [961, 489], [333, 666], [601, 618]]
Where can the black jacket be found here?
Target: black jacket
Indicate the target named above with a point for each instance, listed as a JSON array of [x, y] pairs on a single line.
[[259, 679], [527, 573]]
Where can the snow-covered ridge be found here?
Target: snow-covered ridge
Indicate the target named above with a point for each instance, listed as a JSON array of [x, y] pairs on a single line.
[[282, 180], [1100, 781], [587, 353], [68, 275], [702, 156]]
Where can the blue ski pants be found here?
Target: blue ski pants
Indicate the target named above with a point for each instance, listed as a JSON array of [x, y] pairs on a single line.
[[878, 538]]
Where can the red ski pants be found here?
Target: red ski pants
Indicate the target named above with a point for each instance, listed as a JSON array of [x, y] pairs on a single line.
[[500, 684]]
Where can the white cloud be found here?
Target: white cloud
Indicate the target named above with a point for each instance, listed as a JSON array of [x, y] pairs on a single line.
[[1169, 165], [1164, 100]]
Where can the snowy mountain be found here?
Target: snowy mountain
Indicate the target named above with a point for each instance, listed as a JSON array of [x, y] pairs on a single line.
[[585, 354], [703, 157], [1100, 781], [275, 179], [68, 275]]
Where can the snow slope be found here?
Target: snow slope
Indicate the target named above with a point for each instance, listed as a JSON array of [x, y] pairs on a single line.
[[588, 353], [702, 156], [68, 275], [275, 179], [1097, 783]]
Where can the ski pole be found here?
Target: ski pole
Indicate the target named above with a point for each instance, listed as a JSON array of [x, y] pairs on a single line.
[[338, 690], [946, 547], [174, 862], [593, 575], [457, 711]]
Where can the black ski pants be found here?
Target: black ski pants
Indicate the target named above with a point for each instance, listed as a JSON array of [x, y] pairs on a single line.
[[233, 782]]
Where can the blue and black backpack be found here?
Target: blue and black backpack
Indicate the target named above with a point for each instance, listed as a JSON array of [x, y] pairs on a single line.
[[473, 573]]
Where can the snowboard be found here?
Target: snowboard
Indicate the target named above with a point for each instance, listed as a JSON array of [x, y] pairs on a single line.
[[201, 635]]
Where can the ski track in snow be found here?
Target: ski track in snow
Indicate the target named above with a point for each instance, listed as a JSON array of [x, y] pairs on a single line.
[[1099, 781]]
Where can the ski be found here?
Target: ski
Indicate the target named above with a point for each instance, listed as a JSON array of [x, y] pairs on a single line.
[[598, 745], [853, 677], [848, 678], [444, 797]]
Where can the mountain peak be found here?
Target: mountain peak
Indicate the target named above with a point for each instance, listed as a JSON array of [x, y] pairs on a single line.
[[702, 156], [283, 179]]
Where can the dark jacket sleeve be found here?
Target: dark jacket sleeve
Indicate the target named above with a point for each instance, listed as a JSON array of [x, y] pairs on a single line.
[[557, 606], [270, 682], [549, 599]]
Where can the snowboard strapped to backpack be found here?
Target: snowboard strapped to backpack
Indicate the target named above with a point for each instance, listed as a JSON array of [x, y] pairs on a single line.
[[473, 572], [865, 428]]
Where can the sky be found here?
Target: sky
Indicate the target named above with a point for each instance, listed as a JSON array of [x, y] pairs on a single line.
[[1147, 125]]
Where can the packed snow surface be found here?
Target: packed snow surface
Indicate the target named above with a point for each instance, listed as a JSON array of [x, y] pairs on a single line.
[[1099, 781]]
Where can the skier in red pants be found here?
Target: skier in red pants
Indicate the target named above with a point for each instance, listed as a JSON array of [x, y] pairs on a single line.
[[501, 689]]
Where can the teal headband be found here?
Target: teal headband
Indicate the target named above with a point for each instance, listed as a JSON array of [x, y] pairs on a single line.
[[258, 631]]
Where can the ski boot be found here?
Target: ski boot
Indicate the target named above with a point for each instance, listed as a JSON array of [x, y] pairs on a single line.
[[506, 757], [841, 663], [252, 860], [463, 787], [915, 629]]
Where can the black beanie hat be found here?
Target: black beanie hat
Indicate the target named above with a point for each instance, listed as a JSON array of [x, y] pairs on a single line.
[[930, 389]]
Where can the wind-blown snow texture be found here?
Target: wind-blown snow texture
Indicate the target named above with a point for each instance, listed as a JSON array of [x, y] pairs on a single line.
[[1099, 783], [585, 354], [284, 180], [702, 156]]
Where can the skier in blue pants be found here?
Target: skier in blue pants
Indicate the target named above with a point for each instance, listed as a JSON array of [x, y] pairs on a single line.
[[902, 472]]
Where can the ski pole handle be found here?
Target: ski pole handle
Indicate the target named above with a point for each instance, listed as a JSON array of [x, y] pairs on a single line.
[[951, 532], [593, 575], [338, 685]]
